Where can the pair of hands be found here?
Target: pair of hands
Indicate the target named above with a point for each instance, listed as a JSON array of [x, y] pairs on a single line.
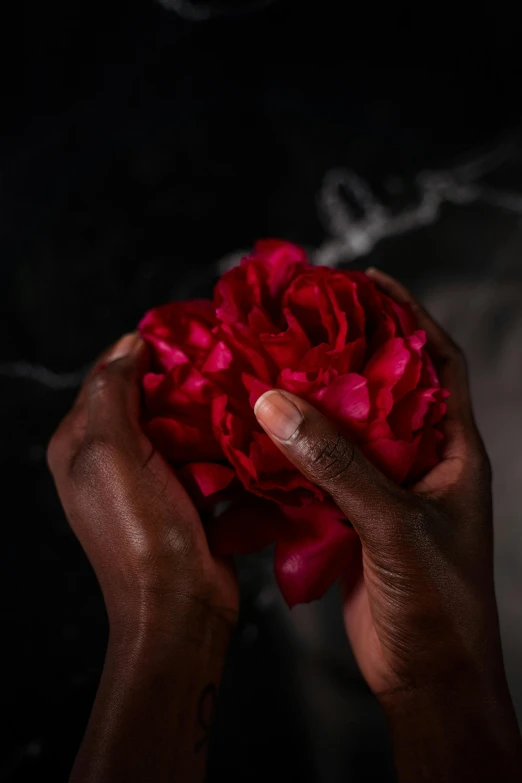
[[419, 605]]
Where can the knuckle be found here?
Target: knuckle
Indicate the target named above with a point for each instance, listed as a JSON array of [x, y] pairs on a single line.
[[100, 385], [329, 458], [93, 461], [54, 451], [60, 445]]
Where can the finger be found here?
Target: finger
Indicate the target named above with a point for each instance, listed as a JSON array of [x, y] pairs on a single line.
[[315, 446], [75, 422], [117, 350], [112, 393], [447, 356], [71, 432]]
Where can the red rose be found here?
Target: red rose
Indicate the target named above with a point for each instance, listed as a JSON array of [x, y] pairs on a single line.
[[329, 336]]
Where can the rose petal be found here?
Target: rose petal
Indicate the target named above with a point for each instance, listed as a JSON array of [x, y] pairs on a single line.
[[233, 435], [284, 259], [237, 292], [182, 442], [180, 331], [350, 358], [346, 398], [288, 347], [412, 372], [308, 301], [428, 454], [219, 359], [386, 367], [429, 375], [301, 383], [179, 393], [408, 414], [394, 457], [339, 333], [254, 387], [260, 323], [247, 351], [345, 289], [379, 429], [313, 553], [439, 408], [204, 479], [397, 364], [403, 315]]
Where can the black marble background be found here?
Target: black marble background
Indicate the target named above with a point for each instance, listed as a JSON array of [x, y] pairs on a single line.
[[141, 150]]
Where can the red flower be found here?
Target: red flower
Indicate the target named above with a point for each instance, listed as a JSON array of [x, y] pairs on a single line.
[[329, 336]]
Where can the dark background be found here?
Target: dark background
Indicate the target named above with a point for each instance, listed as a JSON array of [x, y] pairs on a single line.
[[142, 150]]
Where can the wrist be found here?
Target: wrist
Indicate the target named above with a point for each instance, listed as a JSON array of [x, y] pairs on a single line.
[[461, 729], [189, 619]]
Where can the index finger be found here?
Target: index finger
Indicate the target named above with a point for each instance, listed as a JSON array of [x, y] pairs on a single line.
[[87, 410]]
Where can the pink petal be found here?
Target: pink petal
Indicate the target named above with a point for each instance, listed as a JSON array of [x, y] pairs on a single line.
[[394, 457], [350, 358], [219, 359], [411, 376], [260, 322], [316, 358], [397, 364], [180, 393], [440, 407], [151, 382], [247, 351], [301, 383], [182, 442], [429, 375], [379, 429], [277, 478], [308, 301], [428, 455], [347, 398], [403, 315], [180, 331], [208, 477], [382, 402], [386, 367], [314, 552], [237, 292], [288, 347], [267, 457], [254, 387], [284, 260], [233, 435], [339, 333], [345, 289], [409, 414]]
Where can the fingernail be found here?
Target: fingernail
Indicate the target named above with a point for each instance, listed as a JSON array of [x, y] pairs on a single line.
[[125, 346], [371, 269], [278, 415]]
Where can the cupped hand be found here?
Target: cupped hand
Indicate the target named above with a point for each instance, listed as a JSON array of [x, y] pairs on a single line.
[[419, 602], [135, 522]]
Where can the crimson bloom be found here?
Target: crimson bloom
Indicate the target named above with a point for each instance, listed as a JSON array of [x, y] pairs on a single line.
[[329, 336]]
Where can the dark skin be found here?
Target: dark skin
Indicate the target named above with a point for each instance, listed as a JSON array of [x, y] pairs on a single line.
[[419, 608]]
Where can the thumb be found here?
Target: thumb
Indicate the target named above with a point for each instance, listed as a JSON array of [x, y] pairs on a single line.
[[372, 503]]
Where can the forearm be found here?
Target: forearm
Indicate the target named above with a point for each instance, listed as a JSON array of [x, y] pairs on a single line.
[[153, 711], [465, 732]]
